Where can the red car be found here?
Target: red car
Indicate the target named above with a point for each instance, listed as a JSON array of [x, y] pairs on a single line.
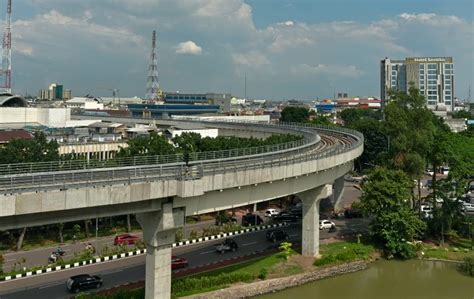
[[125, 239], [178, 262]]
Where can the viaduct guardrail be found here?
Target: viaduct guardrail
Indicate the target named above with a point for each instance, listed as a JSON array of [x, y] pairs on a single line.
[[154, 168]]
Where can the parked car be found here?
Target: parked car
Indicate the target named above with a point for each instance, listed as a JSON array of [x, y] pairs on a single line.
[[285, 217], [83, 282], [277, 235], [178, 263], [426, 211], [326, 224], [271, 212], [251, 220], [353, 213], [227, 245], [468, 207], [298, 212], [125, 239]]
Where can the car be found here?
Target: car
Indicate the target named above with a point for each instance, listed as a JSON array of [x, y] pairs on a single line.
[[353, 213], [285, 217], [178, 263], [227, 245], [271, 212], [326, 224], [125, 239], [426, 211], [468, 207], [298, 212], [276, 235], [251, 220], [82, 282]]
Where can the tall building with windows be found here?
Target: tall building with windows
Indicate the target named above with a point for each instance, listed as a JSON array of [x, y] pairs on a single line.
[[433, 76]]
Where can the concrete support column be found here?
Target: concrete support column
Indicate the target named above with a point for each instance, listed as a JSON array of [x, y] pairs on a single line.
[[310, 200], [159, 235], [337, 194]]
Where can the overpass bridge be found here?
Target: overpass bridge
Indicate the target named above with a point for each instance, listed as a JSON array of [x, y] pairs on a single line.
[[161, 193]]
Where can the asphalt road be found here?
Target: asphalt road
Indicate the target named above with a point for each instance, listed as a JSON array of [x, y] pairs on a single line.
[[39, 256], [114, 273]]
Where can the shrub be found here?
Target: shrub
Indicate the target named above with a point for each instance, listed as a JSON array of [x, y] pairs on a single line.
[[206, 282], [285, 248], [263, 274], [468, 265]]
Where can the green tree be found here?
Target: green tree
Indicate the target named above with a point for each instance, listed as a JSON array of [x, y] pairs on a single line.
[[37, 149], [385, 197], [147, 146], [353, 115], [462, 114], [294, 114]]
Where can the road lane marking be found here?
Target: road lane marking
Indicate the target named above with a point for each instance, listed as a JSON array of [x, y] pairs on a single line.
[[248, 244], [111, 271], [206, 252], [50, 285]]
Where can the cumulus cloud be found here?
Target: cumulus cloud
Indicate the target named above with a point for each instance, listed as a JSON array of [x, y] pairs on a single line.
[[343, 71], [282, 56], [188, 47]]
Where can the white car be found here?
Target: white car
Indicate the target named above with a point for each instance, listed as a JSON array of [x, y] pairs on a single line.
[[326, 224], [271, 212], [468, 207], [427, 211]]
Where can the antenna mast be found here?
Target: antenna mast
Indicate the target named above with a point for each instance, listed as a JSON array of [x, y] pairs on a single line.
[[7, 51], [152, 86]]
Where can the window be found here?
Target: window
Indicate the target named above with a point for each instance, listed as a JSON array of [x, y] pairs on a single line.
[[422, 77], [431, 102], [448, 66], [447, 72], [432, 97], [432, 77], [447, 92], [432, 72], [432, 87], [447, 97], [447, 87], [447, 102], [432, 92], [432, 81], [394, 73], [422, 72], [422, 66], [432, 66]]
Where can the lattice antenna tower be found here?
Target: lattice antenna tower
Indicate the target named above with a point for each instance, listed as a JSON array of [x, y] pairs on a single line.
[[152, 86], [6, 71]]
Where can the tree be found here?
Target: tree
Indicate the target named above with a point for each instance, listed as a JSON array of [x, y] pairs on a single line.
[[38, 149], [294, 114], [462, 114], [385, 196], [353, 115], [375, 143], [147, 146]]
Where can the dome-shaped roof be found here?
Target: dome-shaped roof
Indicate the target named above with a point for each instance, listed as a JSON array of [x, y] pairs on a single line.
[[9, 100]]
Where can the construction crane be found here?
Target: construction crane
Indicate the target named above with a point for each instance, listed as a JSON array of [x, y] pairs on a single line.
[[6, 70]]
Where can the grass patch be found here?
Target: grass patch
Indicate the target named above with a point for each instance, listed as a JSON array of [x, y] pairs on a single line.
[[343, 252], [446, 253]]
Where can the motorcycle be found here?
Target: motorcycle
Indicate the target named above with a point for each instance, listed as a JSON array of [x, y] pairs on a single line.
[[59, 251]]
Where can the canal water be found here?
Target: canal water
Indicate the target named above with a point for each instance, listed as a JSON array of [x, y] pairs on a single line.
[[413, 279]]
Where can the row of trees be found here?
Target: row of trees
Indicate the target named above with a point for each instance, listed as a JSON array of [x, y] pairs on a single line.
[[193, 142], [399, 146]]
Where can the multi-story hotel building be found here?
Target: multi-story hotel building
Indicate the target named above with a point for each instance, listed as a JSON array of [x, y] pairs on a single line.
[[433, 76]]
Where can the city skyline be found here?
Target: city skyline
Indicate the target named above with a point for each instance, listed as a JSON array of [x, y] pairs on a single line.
[[210, 45]]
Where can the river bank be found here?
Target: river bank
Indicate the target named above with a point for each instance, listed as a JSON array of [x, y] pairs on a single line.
[[278, 284]]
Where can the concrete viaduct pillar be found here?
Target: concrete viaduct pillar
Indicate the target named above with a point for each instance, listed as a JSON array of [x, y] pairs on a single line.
[[310, 200], [159, 235], [337, 194]]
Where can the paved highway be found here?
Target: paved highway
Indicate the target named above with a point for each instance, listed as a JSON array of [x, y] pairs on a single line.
[[114, 273]]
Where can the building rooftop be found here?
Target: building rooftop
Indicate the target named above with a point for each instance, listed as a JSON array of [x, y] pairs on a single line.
[[7, 136]]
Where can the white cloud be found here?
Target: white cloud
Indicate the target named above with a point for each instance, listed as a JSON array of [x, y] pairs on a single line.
[[431, 19], [188, 47], [342, 71], [250, 59], [287, 23]]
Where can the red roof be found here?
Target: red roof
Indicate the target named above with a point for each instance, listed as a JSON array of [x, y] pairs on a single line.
[[7, 136]]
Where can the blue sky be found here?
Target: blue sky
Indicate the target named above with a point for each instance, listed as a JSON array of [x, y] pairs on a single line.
[[302, 49]]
